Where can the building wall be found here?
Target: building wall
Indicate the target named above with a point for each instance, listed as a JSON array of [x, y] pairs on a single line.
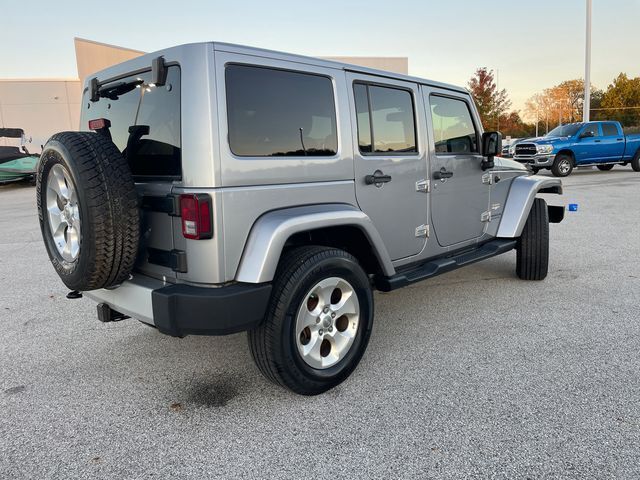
[[40, 107], [390, 64], [94, 56]]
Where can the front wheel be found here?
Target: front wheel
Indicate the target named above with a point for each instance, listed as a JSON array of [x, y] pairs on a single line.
[[532, 249], [318, 323], [605, 168], [562, 166]]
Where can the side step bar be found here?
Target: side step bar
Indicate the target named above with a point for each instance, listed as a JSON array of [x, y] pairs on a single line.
[[438, 266]]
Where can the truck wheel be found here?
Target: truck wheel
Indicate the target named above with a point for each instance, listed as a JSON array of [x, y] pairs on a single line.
[[562, 166], [88, 210], [605, 168], [635, 163], [532, 250], [318, 323]]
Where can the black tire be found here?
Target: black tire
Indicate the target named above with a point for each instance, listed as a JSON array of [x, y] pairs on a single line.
[[562, 166], [535, 170], [107, 206], [273, 344], [532, 250], [605, 168], [635, 163]]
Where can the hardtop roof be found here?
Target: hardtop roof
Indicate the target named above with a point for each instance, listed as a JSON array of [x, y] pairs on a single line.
[[233, 48], [117, 70]]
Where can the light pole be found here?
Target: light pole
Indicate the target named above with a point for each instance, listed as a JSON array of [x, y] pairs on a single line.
[[587, 68]]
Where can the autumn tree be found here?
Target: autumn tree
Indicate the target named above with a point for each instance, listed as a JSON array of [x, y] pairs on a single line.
[[562, 103], [512, 125], [491, 102]]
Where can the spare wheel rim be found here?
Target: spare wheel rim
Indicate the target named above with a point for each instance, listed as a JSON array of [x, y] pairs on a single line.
[[63, 213]]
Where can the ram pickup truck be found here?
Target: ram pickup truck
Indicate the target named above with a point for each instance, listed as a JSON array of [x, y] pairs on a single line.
[[601, 144]]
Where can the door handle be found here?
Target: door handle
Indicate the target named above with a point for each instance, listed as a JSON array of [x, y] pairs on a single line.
[[597, 141], [442, 174], [619, 139], [377, 178]]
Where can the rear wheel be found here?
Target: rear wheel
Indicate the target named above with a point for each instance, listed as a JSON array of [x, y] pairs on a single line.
[[562, 166], [532, 250], [605, 168], [318, 323], [635, 163]]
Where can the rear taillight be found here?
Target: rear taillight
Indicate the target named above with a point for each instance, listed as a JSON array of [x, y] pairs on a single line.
[[195, 209]]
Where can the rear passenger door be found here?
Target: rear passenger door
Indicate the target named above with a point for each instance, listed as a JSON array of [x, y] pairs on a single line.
[[390, 160], [612, 142]]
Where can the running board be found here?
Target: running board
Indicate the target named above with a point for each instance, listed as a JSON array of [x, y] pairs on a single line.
[[438, 266]]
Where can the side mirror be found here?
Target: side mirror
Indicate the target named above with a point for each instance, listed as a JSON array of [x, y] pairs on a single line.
[[491, 146], [587, 134]]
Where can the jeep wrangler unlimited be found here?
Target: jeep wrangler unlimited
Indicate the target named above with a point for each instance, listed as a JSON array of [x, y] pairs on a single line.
[[219, 188]]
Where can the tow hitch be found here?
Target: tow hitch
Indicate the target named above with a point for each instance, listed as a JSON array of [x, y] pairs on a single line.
[[108, 314]]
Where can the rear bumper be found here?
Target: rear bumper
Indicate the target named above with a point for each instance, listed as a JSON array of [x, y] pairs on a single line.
[[180, 309]]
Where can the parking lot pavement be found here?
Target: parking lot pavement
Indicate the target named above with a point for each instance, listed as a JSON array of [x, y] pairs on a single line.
[[474, 373]]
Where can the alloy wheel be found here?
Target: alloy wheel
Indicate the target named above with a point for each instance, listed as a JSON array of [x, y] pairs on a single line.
[[327, 322]]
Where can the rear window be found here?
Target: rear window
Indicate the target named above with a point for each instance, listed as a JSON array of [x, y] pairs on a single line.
[[145, 122], [385, 119], [278, 113], [609, 130]]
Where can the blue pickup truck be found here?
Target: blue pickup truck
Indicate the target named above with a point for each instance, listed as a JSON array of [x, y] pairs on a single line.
[[602, 144]]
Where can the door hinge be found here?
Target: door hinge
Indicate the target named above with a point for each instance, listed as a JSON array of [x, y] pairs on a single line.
[[423, 186], [422, 231], [486, 216], [487, 179]]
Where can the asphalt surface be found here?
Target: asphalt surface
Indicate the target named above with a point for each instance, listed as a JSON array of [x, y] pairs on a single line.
[[472, 374]]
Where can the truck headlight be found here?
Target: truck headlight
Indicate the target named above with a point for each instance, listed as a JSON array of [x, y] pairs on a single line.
[[544, 148], [512, 150]]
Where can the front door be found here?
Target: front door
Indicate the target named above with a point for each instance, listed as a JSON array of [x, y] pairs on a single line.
[[589, 149], [390, 160], [460, 198]]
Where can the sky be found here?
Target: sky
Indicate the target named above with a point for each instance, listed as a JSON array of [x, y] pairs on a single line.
[[531, 44]]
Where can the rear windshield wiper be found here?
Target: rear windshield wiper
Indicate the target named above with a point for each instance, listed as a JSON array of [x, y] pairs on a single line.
[[113, 91]]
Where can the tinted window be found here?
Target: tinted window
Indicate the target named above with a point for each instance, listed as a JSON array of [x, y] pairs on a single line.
[[385, 115], [138, 106], [593, 128], [609, 130], [453, 127], [279, 113]]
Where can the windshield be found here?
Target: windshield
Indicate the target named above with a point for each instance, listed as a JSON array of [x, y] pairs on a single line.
[[564, 130]]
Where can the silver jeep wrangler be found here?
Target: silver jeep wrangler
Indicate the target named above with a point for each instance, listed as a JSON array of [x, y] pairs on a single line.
[[219, 188]]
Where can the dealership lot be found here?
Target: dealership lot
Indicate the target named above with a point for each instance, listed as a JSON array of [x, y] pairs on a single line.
[[472, 373]]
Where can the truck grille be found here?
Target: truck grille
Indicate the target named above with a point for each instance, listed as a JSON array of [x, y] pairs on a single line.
[[527, 149]]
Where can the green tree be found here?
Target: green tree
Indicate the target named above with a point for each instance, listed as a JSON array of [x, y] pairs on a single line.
[[491, 102], [621, 101]]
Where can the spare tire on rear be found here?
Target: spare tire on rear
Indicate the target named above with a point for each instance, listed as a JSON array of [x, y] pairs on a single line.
[[88, 210]]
